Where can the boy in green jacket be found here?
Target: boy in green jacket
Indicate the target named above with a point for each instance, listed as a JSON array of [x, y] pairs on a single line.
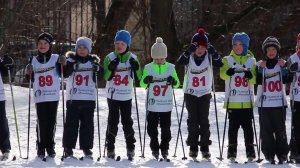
[[121, 67], [160, 78], [239, 73]]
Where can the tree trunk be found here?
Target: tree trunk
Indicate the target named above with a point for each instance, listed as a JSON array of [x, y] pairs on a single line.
[[115, 20]]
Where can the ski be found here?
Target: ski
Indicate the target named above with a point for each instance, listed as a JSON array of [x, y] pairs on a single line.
[[43, 158], [116, 159], [68, 157], [86, 157], [164, 159]]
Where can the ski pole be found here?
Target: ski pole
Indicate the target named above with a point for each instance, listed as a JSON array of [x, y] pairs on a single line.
[[14, 110], [147, 101], [98, 119], [137, 110], [215, 103], [261, 105], [179, 129]]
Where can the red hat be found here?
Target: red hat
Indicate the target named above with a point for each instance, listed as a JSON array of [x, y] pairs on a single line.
[[298, 38], [200, 38]]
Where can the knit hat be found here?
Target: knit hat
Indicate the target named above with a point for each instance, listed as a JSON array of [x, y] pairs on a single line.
[[270, 42], [123, 36], [200, 38], [46, 36], [244, 39], [85, 42], [159, 49]]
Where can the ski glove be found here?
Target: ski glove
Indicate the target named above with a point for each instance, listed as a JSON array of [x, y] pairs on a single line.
[[8, 61], [192, 48], [230, 71], [248, 74], [97, 67], [148, 80], [113, 64], [62, 59], [76, 66], [294, 67], [171, 81], [134, 64]]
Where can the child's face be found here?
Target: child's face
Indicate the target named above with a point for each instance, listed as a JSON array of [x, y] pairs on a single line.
[[237, 47], [43, 46], [271, 52], [159, 61], [200, 51], [82, 51], [120, 46]]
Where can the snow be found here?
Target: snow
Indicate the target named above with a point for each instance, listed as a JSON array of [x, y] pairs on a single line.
[[21, 104]]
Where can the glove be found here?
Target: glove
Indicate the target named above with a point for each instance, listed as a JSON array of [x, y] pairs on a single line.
[[211, 50], [113, 64], [192, 48], [248, 74], [62, 59], [171, 81], [76, 66], [148, 79], [8, 61], [97, 67], [29, 68], [230, 71], [294, 67], [134, 64]]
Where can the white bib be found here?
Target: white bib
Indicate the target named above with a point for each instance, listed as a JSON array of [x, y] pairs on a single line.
[[273, 89], [80, 85], [46, 83], [198, 80], [2, 91], [160, 94], [239, 86], [296, 88], [121, 85]]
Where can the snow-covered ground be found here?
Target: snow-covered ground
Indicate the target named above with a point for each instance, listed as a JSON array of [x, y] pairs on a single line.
[[21, 103]]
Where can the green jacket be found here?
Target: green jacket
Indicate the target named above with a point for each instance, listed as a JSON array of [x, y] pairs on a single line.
[[224, 76], [159, 69], [124, 58]]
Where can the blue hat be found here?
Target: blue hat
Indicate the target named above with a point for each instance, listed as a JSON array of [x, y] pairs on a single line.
[[244, 38], [85, 42], [123, 36]]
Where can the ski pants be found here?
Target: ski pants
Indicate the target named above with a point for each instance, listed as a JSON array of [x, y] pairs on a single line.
[[240, 118], [4, 129], [197, 122], [273, 132], [46, 124], [295, 137], [164, 119], [117, 108], [80, 116]]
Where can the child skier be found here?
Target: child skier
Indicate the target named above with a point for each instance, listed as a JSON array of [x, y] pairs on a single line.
[[271, 102], [294, 63], [197, 91], [120, 67], [239, 73], [45, 69], [160, 78], [6, 64], [81, 71]]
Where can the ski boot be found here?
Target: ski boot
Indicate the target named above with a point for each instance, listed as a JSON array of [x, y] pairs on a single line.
[[155, 154], [51, 152], [130, 154], [111, 154]]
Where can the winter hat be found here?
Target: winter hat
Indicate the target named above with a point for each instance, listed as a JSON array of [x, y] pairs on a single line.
[[200, 38], [85, 42], [159, 49], [244, 38], [270, 42], [123, 36], [46, 36]]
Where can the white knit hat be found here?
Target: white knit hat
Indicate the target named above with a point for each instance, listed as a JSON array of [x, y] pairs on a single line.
[[159, 49]]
